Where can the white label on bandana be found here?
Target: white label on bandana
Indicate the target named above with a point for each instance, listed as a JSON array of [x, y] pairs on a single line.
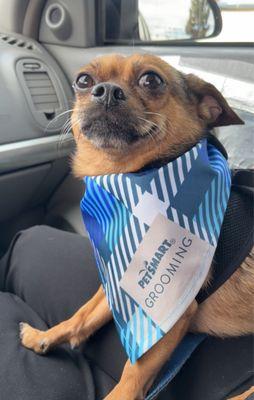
[[167, 271]]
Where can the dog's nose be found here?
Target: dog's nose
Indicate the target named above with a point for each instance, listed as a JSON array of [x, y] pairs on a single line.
[[108, 94]]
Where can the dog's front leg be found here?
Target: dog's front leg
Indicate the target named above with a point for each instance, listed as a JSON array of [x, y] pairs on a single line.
[[88, 319], [245, 396], [137, 379]]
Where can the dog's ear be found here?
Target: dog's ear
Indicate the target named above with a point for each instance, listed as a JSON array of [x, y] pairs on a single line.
[[212, 107]]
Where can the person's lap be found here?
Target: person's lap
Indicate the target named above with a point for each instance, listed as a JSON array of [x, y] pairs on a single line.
[[52, 271], [44, 278]]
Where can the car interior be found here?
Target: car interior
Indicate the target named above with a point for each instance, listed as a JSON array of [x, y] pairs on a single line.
[[43, 44]]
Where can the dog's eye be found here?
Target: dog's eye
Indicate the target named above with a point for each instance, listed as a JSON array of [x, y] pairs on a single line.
[[83, 81], [150, 80]]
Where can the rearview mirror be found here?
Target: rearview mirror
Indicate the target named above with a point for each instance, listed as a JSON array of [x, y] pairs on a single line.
[[166, 20]]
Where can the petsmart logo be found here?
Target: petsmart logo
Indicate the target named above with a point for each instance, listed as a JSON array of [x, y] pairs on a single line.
[[149, 268], [164, 273]]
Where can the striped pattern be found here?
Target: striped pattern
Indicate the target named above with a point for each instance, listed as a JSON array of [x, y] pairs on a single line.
[[140, 334], [210, 213], [108, 212], [127, 188], [114, 205], [175, 173]]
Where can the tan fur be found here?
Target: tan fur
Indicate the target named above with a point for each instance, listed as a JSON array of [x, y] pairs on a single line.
[[229, 311], [174, 117], [245, 395], [180, 114]]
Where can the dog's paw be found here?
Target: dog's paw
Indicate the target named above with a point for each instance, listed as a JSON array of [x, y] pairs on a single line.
[[33, 339], [74, 342]]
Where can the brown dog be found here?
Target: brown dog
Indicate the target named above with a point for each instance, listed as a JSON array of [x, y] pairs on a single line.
[[129, 112]]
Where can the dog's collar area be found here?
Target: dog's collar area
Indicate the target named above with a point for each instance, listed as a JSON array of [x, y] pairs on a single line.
[[165, 160], [213, 140]]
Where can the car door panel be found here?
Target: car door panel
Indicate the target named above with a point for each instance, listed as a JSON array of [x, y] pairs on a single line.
[[34, 92]]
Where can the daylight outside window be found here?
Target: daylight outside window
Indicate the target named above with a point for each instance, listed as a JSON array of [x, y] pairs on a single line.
[[162, 20], [192, 20]]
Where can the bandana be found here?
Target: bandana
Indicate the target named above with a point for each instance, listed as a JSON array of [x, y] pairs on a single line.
[[154, 234]]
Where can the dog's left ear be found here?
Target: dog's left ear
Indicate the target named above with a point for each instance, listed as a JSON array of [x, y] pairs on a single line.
[[212, 107]]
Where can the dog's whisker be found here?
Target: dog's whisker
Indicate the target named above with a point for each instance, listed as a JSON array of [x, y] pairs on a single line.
[[56, 118], [148, 131], [67, 126], [150, 122], [63, 138], [65, 130], [152, 113], [63, 133], [155, 138]]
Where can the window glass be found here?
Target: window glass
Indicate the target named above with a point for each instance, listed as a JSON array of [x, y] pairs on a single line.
[[165, 20]]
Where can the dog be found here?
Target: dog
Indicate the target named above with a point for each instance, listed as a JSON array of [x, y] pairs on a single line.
[[131, 112]]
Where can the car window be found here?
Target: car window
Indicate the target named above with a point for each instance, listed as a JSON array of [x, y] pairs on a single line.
[[237, 21], [164, 20]]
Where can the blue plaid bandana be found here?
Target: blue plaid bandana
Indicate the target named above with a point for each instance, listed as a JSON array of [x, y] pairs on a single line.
[[154, 234]]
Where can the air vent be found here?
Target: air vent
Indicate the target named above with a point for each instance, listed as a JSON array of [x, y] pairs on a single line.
[[15, 41], [42, 92]]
